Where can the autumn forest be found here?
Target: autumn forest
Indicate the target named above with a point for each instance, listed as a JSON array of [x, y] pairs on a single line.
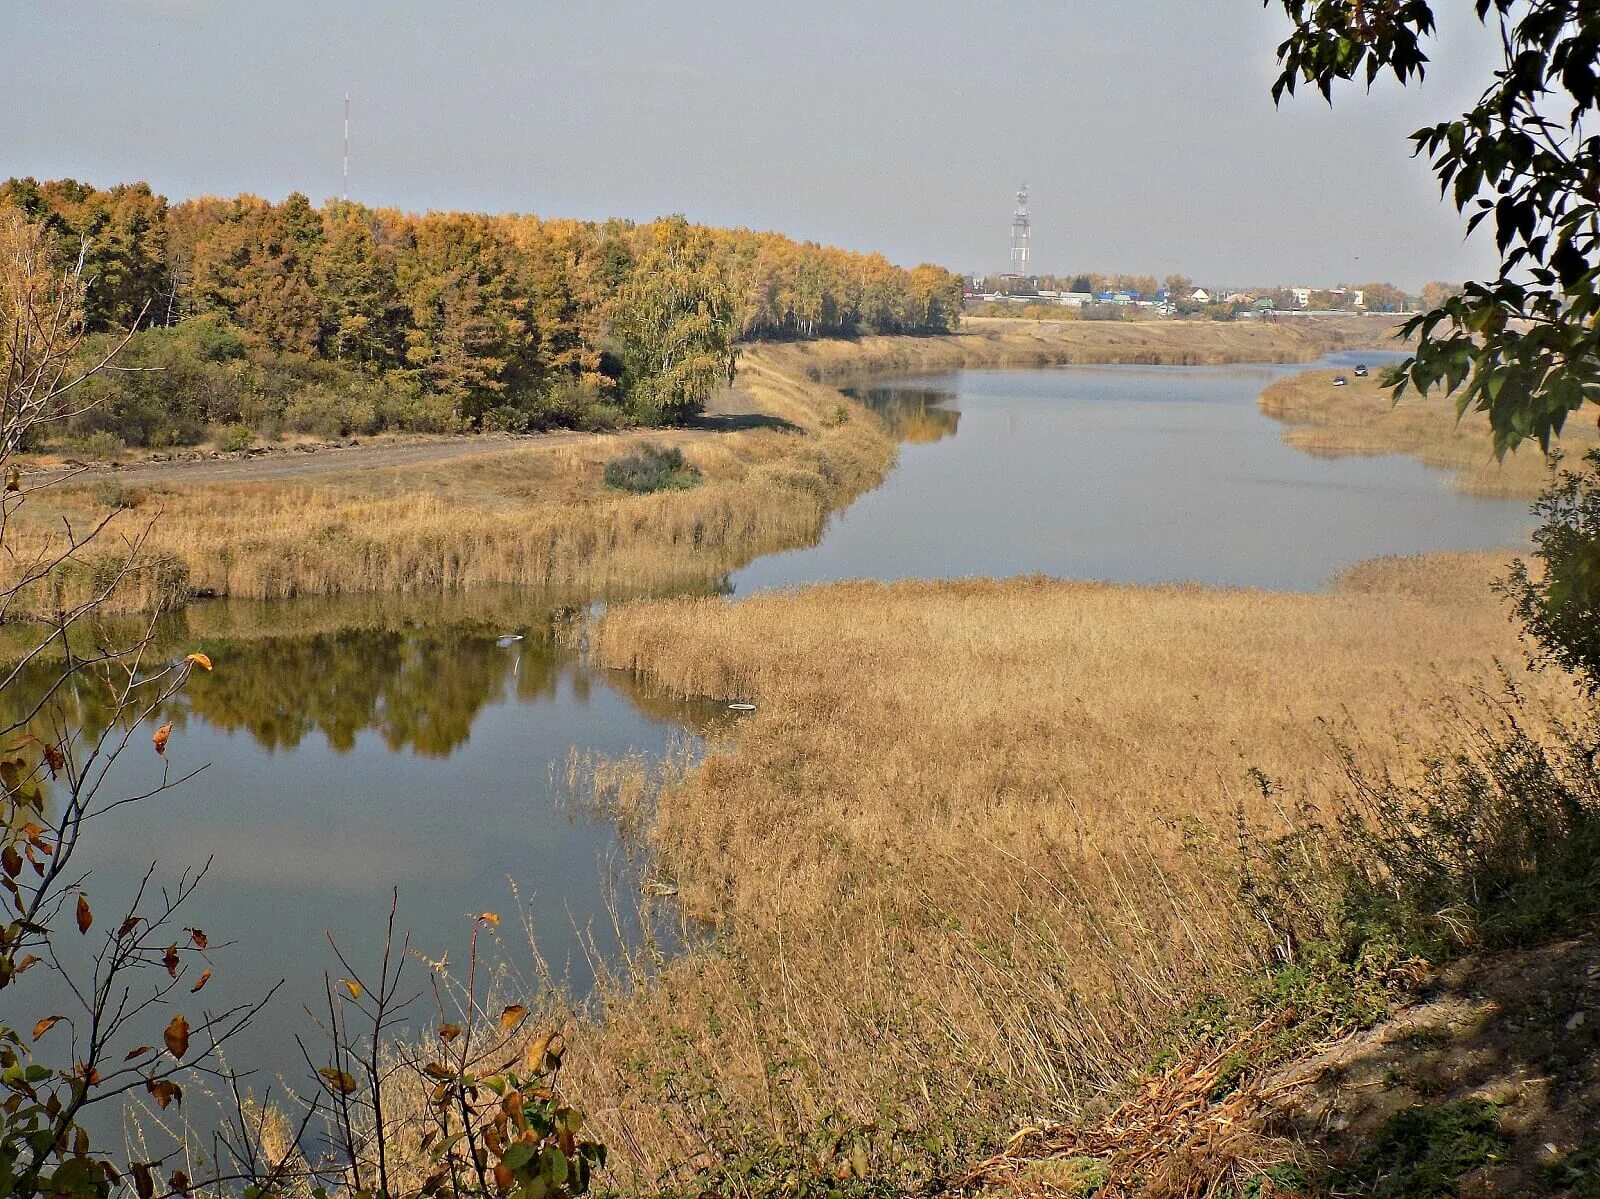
[[270, 318]]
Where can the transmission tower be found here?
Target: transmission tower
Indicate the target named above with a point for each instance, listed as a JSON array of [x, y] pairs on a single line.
[[1020, 229], [346, 193]]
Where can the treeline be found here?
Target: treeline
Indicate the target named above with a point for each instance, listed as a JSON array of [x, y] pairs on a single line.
[[340, 319]]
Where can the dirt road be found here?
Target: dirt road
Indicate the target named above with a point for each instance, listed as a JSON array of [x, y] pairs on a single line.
[[290, 464]]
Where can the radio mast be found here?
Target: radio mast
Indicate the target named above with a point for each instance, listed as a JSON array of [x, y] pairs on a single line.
[[346, 146], [1020, 230]]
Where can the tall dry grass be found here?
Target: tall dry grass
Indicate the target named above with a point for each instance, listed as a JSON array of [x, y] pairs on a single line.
[[539, 516], [1361, 418], [1027, 343], [973, 854]]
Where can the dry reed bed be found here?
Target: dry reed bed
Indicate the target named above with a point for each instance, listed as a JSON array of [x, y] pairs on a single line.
[[1024, 343], [975, 848], [539, 516], [1361, 418]]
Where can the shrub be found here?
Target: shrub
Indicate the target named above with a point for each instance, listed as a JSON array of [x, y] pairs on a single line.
[[1561, 609], [1497, 846], [505, 419], [101, 444], [651, 470], [1422, 1153], [234, 438]]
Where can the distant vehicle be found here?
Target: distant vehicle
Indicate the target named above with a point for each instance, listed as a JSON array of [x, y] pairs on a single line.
[[1361, 371], [1341, 381]]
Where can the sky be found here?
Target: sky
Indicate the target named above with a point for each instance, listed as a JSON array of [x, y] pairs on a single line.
[[1144, 129]]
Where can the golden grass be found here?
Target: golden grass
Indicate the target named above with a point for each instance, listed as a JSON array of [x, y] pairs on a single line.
[[972, 853], [538, 515], [1023, 343], [1361, 418]]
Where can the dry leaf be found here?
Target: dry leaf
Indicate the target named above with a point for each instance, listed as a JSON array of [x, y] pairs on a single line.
[[177, 1037], [338, 1080], [85, 916], [165, 1092], [205, 977], [45, 1026], [512, 1016], [159, 737], [199, 659]]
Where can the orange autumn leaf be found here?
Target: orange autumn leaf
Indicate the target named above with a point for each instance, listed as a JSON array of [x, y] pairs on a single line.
[[512, 1016], [159, 737], [45, 1026], [177, 1037], [199, 660], [85, 916], [165, 1092]]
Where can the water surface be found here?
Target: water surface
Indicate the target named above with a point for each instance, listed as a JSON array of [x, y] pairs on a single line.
[[1132, 474]]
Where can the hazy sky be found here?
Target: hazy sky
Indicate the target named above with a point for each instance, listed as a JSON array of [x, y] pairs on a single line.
[[1143, 127]]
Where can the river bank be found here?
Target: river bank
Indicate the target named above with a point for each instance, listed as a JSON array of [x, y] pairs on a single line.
[[1361, 418], [538, 512]]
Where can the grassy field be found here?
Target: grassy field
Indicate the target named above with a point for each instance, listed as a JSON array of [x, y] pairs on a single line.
[[995, 825], [1361, 418], [539, 514]]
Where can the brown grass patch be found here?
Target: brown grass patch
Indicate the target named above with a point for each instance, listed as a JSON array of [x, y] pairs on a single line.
[[537, 515], [1361, 418], [973, 854]]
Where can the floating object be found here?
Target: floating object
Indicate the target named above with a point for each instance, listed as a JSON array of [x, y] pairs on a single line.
[[508, 640], [741, 707]]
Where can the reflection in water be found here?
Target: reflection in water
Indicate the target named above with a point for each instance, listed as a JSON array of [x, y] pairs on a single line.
[[419, 688], [351, 749], [913, 414]]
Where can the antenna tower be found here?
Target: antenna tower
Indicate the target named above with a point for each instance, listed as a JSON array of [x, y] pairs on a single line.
[[346, 145], [1020, 230]]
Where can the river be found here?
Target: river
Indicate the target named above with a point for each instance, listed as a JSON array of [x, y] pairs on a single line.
[[351, 748]]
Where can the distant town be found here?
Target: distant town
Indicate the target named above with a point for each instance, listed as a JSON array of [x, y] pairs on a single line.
[[1109, 297]]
